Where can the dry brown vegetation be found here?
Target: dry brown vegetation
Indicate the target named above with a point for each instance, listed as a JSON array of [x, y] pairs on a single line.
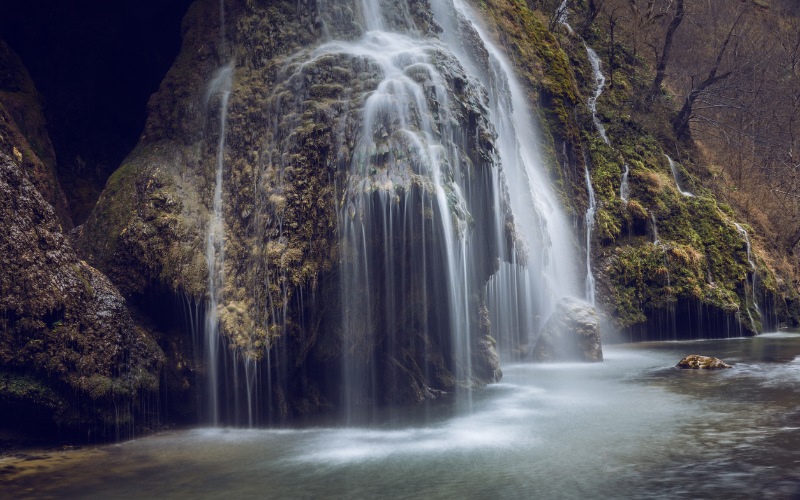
[[726, 76]]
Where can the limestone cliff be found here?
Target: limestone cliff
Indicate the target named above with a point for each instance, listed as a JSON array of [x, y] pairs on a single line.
[[293, 131], [72, 359], [332, 272], [670, 262]]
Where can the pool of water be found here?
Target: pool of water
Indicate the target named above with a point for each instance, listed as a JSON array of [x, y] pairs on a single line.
[[631, 427]]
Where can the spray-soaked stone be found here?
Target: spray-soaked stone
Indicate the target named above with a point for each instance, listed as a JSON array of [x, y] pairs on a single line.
[[572, 333]]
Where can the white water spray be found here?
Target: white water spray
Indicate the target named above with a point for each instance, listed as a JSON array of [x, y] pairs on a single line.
[[220, 86], [624, 189], [599, 84], [590, 212], [753, 276], [675, 175]]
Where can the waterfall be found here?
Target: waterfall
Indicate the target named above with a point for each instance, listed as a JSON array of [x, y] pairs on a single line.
[[412, 223], [220, 86], [523, 293], [599, 83], [624, 189], [675, 174], [590, 211], [448, 235], [563, 14], [656, 241], [406, 158], [743, 233], [215, 243]]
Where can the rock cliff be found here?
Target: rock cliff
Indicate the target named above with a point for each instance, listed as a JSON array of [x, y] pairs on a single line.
[[334, 237], [71, 355]]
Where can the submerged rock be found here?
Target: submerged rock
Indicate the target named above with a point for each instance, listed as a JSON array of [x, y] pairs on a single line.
[[697, 362], [572, 333]]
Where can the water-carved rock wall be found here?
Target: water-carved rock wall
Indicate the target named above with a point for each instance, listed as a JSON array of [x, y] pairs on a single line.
[[71, 356], [294, 131]]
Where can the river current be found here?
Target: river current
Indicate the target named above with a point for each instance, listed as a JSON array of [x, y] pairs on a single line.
[[631, 427]]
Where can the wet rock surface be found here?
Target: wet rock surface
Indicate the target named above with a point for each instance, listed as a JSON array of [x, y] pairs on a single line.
[[697, 362], [572, 333], [69, 347], [297, 169]]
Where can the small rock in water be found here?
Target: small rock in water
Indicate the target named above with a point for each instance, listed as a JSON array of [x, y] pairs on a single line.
[[697, 362]]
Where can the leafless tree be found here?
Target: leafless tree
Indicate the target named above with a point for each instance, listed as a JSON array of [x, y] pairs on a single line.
[[663, 60], [701, 90]]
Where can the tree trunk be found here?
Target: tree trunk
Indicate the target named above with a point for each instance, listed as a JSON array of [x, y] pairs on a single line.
[[681, 122], [665, 51]]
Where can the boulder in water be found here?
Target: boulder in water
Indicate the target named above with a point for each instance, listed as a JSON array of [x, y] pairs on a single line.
[[486, 361], [572, 333], [697, 362]]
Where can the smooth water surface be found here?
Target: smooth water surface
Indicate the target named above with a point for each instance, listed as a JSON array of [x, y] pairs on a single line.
[[630, 427]]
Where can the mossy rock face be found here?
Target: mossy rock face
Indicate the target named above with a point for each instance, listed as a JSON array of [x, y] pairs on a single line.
[[699, 248], [23, 131], [676, 247], [544, 68], [291, 168], [67, 339], [699, 256]]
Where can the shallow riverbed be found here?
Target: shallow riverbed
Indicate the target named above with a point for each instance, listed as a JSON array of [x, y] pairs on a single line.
[[630, 427]]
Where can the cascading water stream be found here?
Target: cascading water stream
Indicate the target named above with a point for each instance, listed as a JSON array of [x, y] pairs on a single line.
[[563, 14], [590, 212], [220, 86], [215, 245], [743, 233], [600, 81], [675, 174], [408, 122], [656, 241], [599, 84], [523, 292], [624, 189]]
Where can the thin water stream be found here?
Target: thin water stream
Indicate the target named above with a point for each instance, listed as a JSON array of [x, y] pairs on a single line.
[[590, 213], [221, 86], [675, 175], [624, 188], [631, 427], [754, 275]]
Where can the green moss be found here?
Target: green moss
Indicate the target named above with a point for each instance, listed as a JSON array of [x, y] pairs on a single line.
[[544, 69], [608, 226], [28, 389]]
